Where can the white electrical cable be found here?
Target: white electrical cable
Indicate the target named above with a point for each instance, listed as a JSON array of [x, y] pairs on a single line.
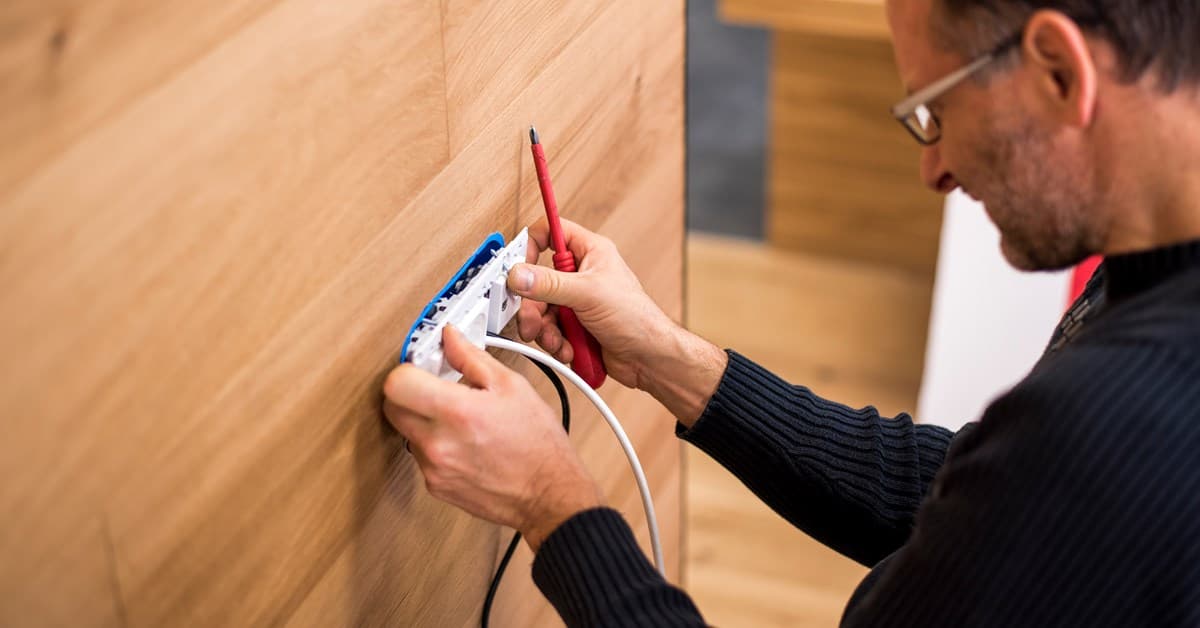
[[594, 397]]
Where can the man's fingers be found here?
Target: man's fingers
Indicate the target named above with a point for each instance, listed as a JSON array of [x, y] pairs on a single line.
[[551, 286], [578, 239], [412, 426], [412, 389], [397, 414], [538, 323], [478, 368], [551, 339], [566, 353], [529, 319], [539, 240]]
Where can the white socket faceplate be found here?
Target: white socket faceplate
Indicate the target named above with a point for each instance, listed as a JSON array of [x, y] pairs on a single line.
[[483, 305]]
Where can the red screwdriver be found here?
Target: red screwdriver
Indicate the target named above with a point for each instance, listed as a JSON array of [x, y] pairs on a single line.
[[587, 362]]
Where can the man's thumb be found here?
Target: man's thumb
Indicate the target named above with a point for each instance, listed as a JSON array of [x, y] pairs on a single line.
[[545, 284]]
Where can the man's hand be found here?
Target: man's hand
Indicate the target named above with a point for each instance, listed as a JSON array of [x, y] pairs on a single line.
[[640, 345], [491, 447], [605, 294]]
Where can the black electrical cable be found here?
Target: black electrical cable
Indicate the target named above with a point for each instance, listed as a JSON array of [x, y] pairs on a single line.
[[512, 547]]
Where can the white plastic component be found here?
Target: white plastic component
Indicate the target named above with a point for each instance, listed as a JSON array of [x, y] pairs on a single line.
[[483, 305]]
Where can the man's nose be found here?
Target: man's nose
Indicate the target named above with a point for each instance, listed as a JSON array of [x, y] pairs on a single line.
[[934, 174]]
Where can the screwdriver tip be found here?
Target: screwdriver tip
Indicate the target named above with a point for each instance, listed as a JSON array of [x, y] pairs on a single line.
[[533, 136]]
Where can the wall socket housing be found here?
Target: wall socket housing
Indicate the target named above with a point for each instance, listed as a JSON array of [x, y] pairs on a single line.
[[476, 301]]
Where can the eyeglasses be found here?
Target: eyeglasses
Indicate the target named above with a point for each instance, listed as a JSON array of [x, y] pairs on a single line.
[[914, 113]]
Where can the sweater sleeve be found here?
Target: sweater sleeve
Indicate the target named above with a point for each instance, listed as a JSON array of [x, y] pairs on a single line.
[[593, 572], [852, 479]]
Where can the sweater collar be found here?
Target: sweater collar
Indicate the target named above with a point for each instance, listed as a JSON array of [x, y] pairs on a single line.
[[1131, 273]]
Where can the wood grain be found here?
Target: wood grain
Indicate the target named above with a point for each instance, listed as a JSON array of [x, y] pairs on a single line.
[[863, 19], [210, 266], [844, 175], [66, 65]]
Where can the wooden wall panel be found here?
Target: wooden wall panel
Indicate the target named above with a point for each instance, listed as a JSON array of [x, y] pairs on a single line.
[[66, 64], [493, 48], [852, 18], [844, 174], [209, 270]]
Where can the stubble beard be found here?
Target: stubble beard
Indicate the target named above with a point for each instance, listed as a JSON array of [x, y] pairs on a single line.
[[1039, 204]]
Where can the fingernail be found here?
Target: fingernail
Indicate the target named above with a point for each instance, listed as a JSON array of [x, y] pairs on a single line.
[[524, 279]]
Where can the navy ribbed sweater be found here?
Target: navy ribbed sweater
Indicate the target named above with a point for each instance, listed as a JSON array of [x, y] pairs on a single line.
[[1074, 501]]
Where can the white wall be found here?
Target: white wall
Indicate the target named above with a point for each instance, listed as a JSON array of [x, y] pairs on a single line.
[[989, 322]]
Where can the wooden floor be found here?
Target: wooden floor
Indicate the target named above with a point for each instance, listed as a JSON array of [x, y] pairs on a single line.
[[851, 332]]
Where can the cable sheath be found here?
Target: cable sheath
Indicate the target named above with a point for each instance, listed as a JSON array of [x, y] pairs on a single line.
[[613, 423]]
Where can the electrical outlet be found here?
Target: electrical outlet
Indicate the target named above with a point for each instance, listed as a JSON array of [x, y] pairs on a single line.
[[476, 301]]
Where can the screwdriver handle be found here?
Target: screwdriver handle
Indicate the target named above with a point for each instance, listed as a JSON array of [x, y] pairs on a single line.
[[587, 361]]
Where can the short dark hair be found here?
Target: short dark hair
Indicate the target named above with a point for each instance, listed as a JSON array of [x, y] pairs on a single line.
[[1162, 36]]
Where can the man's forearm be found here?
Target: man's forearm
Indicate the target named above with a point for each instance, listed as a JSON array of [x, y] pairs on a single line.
[[682, 372], [561, 500]]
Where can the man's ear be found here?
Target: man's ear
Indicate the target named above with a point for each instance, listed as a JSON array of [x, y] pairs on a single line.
[[1056, 51]]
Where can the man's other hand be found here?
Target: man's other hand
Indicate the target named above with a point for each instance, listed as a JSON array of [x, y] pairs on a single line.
[[492, 447], [641, 346], [605, 295]]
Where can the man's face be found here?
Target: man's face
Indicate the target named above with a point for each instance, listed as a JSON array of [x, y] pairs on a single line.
[[1032, 177]]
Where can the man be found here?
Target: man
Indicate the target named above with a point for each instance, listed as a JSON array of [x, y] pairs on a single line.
[[1074, 501]]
